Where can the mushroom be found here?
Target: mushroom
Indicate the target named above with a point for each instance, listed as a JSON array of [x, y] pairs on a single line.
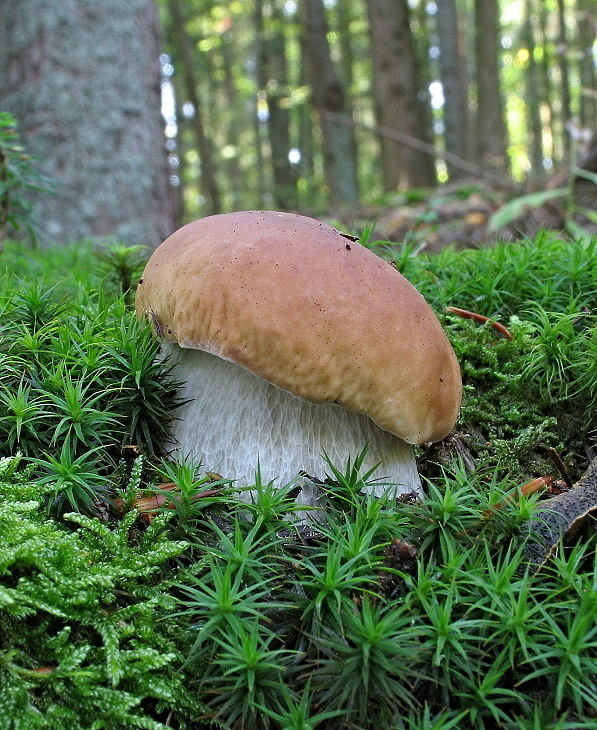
[[294, 341]]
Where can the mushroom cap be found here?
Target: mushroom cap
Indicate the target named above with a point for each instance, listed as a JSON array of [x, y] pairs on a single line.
[[308, 309]]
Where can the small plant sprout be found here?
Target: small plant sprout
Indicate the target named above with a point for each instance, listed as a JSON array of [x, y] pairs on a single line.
[[220, 601], [298, 714], [74, 483], [21, 410], [371, 666], [191, 494], [122, 265], [78, 419], [245, 674], [270, 504]]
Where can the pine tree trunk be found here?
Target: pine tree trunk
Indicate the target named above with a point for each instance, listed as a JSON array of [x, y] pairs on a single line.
[[328, 98], [532, 94], [396, 90], [273, 83], [564, 72], [84, 81], [553, 147], [454, 83], [587, 32], [490, 127], [209, 183]]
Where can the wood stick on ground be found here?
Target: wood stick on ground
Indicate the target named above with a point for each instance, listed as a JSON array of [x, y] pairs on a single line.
[[560, 516]]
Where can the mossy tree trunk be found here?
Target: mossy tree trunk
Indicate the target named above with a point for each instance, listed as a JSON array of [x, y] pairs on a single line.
[[83, 78]]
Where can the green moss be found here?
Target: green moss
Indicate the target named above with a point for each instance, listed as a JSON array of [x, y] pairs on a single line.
[[539, 389], [393, 615], [83, 643]]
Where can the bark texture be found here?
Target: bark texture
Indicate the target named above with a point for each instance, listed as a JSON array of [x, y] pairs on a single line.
[[272, 75], [83, 79], [397, 94], [204, 143], [328, 98], [454, 82], [490, 127]]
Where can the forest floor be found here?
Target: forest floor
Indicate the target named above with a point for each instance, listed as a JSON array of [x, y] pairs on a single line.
[[464, 609], [471, 213]]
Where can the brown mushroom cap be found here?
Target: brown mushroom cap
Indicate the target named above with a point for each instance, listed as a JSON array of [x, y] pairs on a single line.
[[300, 305]]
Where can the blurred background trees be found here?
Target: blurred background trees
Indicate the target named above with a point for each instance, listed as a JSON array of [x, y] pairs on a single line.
[[308, 105]]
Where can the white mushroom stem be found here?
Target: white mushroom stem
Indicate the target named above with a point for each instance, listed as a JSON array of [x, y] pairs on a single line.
[[235, 419]]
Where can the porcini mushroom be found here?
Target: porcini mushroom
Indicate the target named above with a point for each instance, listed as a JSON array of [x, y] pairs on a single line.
[[294, 341]]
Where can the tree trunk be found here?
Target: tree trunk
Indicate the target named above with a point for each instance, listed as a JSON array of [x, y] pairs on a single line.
[[307, 186], [84, 81], [273, 83], [339, 147], [562, 53], [396, 90], [547, 92], [226, 98], [490, 127], [587, 31], [345, 13], [184, 43], [454, 83], [532, 94]]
